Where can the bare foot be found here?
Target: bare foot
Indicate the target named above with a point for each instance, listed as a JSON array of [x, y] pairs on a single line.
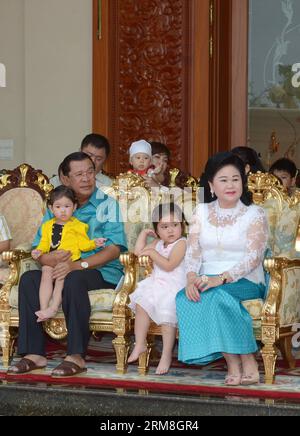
[[164, 365], [45, 314], [137, 351]]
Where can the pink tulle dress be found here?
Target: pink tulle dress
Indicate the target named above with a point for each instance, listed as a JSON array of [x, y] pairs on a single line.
[[156, 294]]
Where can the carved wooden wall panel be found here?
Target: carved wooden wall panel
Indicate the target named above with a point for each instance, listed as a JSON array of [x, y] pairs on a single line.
[[151, 78]]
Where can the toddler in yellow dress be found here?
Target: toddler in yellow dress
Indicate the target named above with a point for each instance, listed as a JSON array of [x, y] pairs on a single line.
[[63, 232]]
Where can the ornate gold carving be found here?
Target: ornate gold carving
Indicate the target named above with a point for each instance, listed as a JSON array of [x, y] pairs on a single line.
[[173, 175], [265, 186], [43, 184], [146, 262], [151, 76], [23, 171], [56, 328], [4, 180]]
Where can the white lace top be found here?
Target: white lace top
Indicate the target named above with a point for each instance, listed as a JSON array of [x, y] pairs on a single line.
[[228, 240]]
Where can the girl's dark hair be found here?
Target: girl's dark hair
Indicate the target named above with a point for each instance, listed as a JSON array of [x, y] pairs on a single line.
[[214, 165], [167, 209], [60, 192], [250, 157]]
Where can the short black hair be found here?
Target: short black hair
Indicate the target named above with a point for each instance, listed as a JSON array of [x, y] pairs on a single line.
[[78, 156], [97, 141], [60, 192], [160, 148], [285, 164], [164, 209]]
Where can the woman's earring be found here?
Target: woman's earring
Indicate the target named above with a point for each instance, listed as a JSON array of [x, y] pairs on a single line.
[[212, 193]]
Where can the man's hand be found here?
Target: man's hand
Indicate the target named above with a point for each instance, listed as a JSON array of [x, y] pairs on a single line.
[[55, 257], [62, 269]]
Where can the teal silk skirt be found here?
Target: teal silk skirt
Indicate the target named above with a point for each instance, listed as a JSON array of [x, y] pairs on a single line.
[[217, 324]]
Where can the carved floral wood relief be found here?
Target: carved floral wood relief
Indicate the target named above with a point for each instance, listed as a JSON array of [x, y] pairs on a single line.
[[151, 84]]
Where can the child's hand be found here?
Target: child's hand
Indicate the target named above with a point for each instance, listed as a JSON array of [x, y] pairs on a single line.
[[100, 242], [148, 252], [150, 232], [35, 254]]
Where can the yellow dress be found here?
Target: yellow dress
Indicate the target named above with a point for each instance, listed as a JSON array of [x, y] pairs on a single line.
[[74, 238]]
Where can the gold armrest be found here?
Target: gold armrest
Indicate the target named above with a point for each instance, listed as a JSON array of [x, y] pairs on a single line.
[[129, 261], [13, 257], [275, 267], [146, 262]]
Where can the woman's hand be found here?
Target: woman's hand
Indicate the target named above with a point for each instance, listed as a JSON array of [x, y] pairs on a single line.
[[204, 283], [192, 292]]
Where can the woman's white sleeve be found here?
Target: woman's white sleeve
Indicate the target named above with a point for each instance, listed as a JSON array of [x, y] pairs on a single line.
[[193, 258], [257, 238]]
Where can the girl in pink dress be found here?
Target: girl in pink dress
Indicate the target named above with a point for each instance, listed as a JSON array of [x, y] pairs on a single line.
[[154, 298]]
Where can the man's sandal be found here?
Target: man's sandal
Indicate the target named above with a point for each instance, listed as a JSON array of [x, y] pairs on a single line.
[[24, 366], [67, 369]]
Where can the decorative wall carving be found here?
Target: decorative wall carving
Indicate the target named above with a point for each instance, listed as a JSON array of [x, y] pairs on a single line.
[[151, 77]]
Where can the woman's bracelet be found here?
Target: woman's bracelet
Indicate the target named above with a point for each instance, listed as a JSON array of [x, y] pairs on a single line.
[[223, 277]]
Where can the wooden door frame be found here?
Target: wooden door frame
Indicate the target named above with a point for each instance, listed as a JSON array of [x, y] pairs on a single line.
[[229, 65]]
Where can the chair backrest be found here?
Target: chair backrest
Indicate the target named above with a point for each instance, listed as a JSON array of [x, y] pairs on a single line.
[[134, 200], [283, 212], [23, 195]]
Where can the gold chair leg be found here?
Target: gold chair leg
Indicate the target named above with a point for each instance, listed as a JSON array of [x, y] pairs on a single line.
[[7, 343], [144, 361], [269, 356], [285, 346], [121, 345], [145, 357]]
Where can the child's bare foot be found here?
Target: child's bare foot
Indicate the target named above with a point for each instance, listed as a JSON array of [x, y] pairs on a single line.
[[164, 365], [137, 351], [45, 314]]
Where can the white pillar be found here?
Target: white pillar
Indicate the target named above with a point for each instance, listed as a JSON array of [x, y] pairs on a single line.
[[2, 76]]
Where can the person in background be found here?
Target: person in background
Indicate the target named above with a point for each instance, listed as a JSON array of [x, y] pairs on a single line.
[[97, 148], [140, 159], [250, 158], [286, 171]]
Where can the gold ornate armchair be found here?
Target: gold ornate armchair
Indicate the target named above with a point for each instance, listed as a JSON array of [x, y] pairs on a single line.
[[274, 318], [23, 195]]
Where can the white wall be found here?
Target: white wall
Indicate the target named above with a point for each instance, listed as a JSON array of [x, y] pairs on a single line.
[[12, 98], [54, 64]]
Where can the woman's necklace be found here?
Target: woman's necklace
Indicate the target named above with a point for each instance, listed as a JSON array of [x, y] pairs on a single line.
[[230, 215]]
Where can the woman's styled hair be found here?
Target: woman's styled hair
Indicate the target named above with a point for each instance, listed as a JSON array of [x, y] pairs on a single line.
[[167, 209], [60, 192], [214, 165], [250, 157]]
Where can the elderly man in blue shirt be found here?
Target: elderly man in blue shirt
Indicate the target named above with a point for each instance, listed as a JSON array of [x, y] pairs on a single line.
[[98, 269]]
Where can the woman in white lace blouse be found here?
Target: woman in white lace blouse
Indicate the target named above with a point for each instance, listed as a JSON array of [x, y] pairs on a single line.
[[224, 258]]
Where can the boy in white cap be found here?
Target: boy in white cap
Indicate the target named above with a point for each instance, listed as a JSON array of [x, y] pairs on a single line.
[[141, 158]]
